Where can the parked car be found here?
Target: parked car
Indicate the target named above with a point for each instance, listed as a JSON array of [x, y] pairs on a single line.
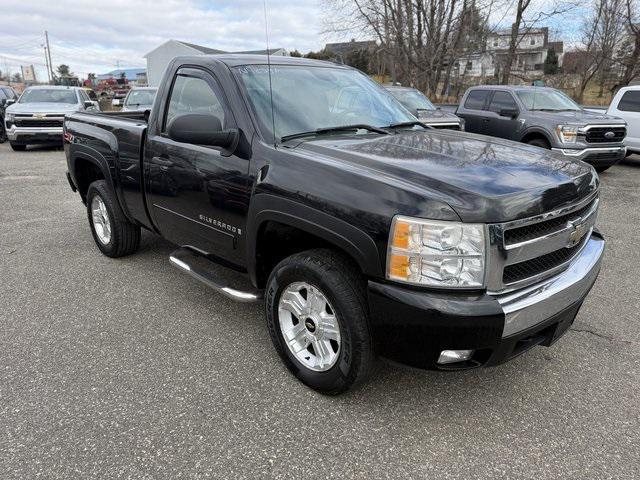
[[626, 105], [363, 231], [7, 96], [547, 118], [139, 98], [36, 118], [417, 103], [92, 96]]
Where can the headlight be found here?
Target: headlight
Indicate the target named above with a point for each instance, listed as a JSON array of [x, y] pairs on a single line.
[[435, 253], [567, 133], [9, 117]]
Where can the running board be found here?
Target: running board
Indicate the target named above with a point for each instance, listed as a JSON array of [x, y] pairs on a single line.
[[194, 264]]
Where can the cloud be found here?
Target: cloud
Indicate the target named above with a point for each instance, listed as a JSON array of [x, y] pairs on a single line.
[[94, 36]]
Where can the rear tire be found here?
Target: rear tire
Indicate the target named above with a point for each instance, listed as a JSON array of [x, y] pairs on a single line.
[[18, 148], [539, 142], [327, 286], [114, 235]]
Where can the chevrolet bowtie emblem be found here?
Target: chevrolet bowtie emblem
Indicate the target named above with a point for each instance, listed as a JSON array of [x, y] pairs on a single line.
[[39, 115], [580, 229]]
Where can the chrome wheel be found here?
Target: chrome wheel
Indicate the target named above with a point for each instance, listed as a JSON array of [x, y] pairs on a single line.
[[309, 325], [101, 220]]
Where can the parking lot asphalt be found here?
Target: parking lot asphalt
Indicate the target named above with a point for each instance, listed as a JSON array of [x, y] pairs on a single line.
[[128, 369]]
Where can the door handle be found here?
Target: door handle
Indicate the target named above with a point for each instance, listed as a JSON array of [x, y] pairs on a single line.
[[485, 120]]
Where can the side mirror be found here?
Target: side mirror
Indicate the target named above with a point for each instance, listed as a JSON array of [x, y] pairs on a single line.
[[89, 104], [115, 102], [202, 129], [10, 101], [509, 112]]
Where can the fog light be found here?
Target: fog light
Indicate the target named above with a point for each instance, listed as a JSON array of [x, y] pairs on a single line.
[[454, 356]]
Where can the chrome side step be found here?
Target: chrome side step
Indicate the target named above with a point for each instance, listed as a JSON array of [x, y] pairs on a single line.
[[194, 264]]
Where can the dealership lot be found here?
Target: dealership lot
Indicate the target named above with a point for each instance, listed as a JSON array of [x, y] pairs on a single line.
[[128, 369]]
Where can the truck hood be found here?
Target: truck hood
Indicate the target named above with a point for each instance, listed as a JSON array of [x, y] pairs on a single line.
[[483, 179], [580, 117], [44, 107], [437, 116]]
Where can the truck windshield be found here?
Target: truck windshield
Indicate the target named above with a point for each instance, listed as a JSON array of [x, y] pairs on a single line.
[[308, 98], [140, 97], [43, 95], [547, 100], [413, 99]]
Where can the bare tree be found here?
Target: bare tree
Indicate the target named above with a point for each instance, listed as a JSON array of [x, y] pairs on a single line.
[[602, 35], [524, 22], [630, 47], [420, 39]]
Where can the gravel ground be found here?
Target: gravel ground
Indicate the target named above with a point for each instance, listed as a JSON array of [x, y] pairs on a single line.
[[128, 369]]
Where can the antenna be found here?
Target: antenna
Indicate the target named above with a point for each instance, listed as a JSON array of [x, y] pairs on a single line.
[[266, 33]]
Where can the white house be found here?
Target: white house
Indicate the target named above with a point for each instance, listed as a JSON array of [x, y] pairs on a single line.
[[159, 58], [531, 52]]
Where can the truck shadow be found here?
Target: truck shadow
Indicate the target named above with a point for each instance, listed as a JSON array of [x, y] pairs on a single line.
[[387, 381]]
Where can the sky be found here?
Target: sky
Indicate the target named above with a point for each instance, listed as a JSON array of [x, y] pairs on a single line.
[[98, 36]]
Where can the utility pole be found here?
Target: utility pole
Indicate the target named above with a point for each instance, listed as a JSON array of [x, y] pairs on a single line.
[[46, 37], [46, 61]]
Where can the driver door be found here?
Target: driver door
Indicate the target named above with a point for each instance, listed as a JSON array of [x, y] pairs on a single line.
[[199, 194]]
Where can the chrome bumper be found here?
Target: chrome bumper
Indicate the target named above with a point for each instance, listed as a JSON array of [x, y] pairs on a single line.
[[529, 306], [17, 133], [585, 152]]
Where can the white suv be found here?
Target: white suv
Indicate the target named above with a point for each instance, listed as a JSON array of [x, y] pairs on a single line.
[[626, 105]]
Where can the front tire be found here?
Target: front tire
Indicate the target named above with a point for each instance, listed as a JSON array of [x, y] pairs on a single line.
[[539, 142], [602, 169], [114, 235], [17, 148], [317, 317]]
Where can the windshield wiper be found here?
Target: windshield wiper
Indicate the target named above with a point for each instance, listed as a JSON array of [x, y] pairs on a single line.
[[407, 124], [341, 128]]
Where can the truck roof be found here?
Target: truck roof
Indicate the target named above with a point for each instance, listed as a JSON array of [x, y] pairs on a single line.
[[53, 87], [512, 88], [234, 60]]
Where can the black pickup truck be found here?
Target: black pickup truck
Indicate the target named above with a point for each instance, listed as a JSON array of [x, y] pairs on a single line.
[[365, 232]]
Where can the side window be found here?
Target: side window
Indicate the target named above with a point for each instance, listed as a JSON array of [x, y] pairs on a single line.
[[630, 102], [502, 100], [193, 95], [476, 99]]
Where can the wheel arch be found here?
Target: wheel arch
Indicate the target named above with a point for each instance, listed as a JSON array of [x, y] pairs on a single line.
[[279, 227], [533, 133]]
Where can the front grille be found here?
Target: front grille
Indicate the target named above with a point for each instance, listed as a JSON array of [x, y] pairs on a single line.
[[30, 122], [536, 230], [597, 134], [535, 266]]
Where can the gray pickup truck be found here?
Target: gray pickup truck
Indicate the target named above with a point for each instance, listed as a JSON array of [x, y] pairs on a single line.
[[36, 118], [547, 118]]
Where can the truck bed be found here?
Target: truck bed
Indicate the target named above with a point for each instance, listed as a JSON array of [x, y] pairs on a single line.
[[119, 138]]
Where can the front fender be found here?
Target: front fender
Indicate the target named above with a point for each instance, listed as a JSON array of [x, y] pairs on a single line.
[[355, 242], [539, 130]]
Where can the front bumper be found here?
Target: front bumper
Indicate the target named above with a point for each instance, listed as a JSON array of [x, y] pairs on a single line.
[[33, 135], [413, 327], [596, 156]]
